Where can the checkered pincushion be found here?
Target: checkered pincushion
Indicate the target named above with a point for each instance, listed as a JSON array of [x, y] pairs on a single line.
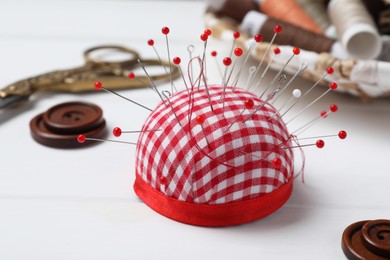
[[232, 165]]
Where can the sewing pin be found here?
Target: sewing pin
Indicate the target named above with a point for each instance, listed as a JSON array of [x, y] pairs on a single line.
[[99, 86], [82, 138], [118, 131], [277, 29], [214, 54], [236, 35], [237, 52], [165, 30], [319, 143], [200, 120], [204, 37], [177, 61], [341, 134]]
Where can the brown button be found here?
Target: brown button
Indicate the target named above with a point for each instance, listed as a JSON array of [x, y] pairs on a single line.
[[61, 124], [376, 236], [73, 117], [354, 245]]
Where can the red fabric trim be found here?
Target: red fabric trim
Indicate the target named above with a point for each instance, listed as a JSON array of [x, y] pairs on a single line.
[[228, 214]]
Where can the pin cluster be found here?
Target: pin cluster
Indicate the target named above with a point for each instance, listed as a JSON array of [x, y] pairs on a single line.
[[231, 73]]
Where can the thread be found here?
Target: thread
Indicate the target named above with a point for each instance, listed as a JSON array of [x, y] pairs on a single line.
[[233, 8], [295, 36], [380, 12], [355, 28], [317, 11], [289, 11]]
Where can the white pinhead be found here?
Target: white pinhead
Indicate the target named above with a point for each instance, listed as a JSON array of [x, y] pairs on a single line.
[[296, 93]]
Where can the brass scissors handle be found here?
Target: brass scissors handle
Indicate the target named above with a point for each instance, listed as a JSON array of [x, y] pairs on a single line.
[[113, 74]]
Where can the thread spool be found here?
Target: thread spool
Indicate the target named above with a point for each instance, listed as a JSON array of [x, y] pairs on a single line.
[[355, 28], [232, 8], [380, 12], [317, 11], [257, 23], [289, 11]]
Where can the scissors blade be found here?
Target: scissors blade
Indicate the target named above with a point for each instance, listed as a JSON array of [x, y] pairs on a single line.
[[12, 99]]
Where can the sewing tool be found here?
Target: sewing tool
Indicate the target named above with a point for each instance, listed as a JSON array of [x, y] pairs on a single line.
[[81, 79], [289, 11], [216, 155], [380, 12], [232, 8], [355, 28], [317, 11], [257, 23]]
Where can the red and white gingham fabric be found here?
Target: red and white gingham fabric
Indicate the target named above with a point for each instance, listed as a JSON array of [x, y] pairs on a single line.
[[235, 166]]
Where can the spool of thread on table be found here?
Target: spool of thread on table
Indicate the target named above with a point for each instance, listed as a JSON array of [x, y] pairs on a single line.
[[380, 12], [289, 11], [232, 8], [317, 11], [258, 23], [355, 28]]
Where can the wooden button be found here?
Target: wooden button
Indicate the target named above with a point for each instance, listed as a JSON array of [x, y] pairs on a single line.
[[353, 243], [73, 117], [376, 236], [60, 125]]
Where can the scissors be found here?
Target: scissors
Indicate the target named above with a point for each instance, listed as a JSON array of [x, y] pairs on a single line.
[[113, 74]]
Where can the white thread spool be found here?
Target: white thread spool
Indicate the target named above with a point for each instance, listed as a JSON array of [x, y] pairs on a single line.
[[355, 28]]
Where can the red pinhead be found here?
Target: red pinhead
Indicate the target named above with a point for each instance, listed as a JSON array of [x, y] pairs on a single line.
[[296, 51], [249, 104], [330, 70], [342, 134], [163, 180], [165, 30], [214, 53], [236, 35], [278, 29], [176, 60], [258, 38], [150, 42], [276, 163], [323, 114], [200, 119], [333, 85], [276, 51], [81, 139], [227, 61], [320, 143], [98, 85], [117, 131], [333, 108], [131, 75], [204, 37], [238, 52], [207, 32]]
